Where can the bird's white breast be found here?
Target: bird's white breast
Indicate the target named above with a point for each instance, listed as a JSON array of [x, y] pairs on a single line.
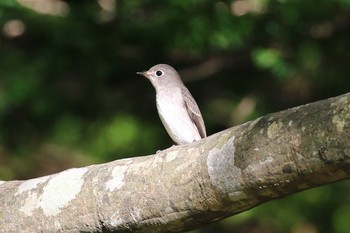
[[175, 117]]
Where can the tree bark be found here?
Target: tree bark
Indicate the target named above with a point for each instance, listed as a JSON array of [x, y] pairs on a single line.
[[187, 186]]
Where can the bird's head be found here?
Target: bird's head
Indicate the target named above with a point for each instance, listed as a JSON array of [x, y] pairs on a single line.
[[162, 76]]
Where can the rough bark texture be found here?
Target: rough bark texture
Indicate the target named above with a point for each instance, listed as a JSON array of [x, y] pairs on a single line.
[[187, 186]]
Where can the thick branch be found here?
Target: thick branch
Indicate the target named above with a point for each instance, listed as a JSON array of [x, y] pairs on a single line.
[[187, 186]]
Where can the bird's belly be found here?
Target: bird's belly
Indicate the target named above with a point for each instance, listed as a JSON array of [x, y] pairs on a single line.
[[177, 122]]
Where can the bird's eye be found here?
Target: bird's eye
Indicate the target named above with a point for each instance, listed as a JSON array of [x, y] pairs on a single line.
[[159, 73]]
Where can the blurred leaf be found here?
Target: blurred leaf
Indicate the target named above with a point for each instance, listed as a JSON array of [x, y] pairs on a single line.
[[341, 220], [113, 137], [68, 130], [266, 58], [310, 55], [8, 3]]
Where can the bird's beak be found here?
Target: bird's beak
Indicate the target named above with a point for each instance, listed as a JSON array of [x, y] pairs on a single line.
[[143, 73]]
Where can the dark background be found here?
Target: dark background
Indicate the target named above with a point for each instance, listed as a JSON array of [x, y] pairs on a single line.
[[70, 96]]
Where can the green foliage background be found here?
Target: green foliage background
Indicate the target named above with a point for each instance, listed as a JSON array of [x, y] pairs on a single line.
[[69, 95]]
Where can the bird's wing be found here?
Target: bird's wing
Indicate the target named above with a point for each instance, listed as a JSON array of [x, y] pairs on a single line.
[[193, 112]]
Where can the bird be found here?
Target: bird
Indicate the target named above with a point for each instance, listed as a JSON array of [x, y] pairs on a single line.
[[176, 107]]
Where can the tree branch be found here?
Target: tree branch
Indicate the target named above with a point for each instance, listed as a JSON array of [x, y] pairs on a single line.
[[187, 186]]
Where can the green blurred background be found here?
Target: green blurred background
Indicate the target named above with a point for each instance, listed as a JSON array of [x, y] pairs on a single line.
[[69, 95]]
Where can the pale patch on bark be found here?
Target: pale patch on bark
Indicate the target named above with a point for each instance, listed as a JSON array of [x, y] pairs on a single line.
[[171, 156], [257, 166], [31, 203], [30, 184], [117, 181], [157, 159], [58, 225], [342, 109], [116, 220], [219, 162], [61, 189], [296, 141], [340, 101], [237, 196], [339, 123], [273, 129]]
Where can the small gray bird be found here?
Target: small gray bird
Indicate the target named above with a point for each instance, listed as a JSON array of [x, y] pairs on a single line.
[[177, 109]]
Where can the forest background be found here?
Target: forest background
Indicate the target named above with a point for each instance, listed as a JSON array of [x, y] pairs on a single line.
[[70, 96]]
